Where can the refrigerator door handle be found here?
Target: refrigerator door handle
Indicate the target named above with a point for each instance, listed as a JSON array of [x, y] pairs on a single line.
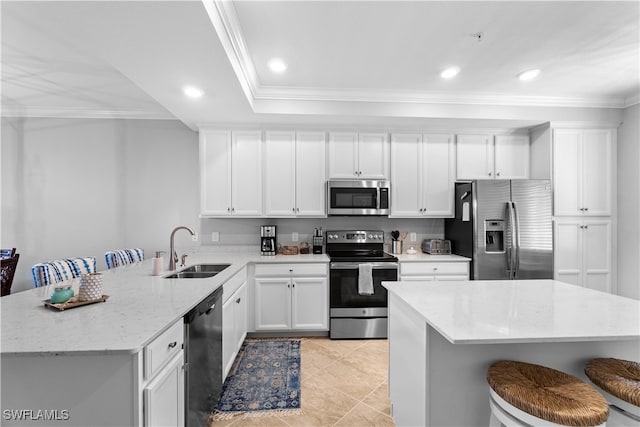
[[513, 233], [516, 239]]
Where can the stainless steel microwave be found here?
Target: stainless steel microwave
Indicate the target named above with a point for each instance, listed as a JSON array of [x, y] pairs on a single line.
[[358, 197]]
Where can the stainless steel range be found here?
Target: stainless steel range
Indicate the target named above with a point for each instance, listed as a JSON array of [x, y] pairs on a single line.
[[358, 302]]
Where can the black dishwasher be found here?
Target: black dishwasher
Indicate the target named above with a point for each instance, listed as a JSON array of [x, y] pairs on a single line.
[[203, 354]]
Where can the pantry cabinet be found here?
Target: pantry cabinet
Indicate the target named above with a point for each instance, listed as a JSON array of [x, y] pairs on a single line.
[[291, 297], [583, 172], [231, 173], [422, 175], [358, 155], [492, 157], [582, 252], [295, 174]]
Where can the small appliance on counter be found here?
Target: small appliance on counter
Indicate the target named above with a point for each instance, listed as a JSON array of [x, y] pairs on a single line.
[[436, 247], [268, 240], [318, 240]]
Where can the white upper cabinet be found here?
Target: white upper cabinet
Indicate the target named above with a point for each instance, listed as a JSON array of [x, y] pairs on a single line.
[[231, 173], [422, 175], [358, 156], [295, 174], [486, 157], [582, 172]]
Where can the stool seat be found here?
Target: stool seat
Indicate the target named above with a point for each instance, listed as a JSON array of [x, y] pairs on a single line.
[[548, 394], [621, 378]]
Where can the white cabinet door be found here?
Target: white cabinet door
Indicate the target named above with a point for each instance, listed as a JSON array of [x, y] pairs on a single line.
[[246, 173], [406, 170], [511, 157], [273, 303], [309, 303], [343, 155], [373, 156], [310, 174], [354, 156], [240, 316], [228, 335], [582, 253], [597, 172], [164, 396], [567, 172], [474, 157], [597, 255], [583, 166], [215, 173], [280, 174], [438, 175]]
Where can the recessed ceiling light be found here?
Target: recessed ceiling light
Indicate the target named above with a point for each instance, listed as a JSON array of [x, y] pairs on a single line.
[[529, 74], [193, 92], [277, 65], [450, 72]]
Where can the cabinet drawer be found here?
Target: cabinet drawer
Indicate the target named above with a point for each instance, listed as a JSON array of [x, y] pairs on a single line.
[[160, 350], [285, 270], [233, 284], [433, 268]]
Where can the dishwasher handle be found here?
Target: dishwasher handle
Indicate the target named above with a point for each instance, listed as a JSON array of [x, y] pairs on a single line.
[[204, 307]]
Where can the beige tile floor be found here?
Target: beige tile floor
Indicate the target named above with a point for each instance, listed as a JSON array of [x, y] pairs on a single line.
[[344, 383]]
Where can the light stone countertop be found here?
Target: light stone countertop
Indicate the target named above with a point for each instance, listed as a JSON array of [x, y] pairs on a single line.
[[519, 311], [140, 307], [422, 257]]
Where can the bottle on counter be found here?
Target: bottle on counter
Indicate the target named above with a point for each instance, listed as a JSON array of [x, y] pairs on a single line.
[[157, 264]]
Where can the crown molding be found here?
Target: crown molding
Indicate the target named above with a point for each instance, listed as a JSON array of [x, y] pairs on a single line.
[[77, 113], [225, 20]]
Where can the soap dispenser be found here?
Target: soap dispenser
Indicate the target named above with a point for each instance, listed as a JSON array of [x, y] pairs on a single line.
[[157, 264]]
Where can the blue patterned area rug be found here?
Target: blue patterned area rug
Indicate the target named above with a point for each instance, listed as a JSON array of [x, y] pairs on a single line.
[[264, 379]]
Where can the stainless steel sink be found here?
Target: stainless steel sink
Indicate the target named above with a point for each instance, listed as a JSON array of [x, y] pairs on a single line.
[[206, 268], [198, 271]]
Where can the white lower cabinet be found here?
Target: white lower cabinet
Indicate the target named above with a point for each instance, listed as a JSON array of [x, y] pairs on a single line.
[[421, 271], [234, 327], [163, 379], [164, 395], [291, 297], [582, 254]]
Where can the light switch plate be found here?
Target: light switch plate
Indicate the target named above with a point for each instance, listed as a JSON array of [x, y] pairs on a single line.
[[413, 237], [294, 237], [215, 236]]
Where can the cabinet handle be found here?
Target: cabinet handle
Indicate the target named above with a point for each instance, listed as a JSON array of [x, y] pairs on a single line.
[[294, 285], [228, 209], [297, 209], [497, 173], [173, 344], [489, 173], [586, 226], [288, 285], [238, 301], [293, 209], [586, 209], [233, 210]]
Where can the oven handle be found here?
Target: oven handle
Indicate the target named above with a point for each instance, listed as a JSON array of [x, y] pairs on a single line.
[[355, 265]]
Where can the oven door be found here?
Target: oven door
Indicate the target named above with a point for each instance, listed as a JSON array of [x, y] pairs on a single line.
[[346, 301]]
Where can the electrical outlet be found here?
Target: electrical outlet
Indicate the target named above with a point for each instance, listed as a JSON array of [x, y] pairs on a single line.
[[294, 237], [194, 238], [413, 237], [215, 236]]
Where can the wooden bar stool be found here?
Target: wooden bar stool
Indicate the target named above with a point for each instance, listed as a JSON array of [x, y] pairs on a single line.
[[620, 381], [524, 394]]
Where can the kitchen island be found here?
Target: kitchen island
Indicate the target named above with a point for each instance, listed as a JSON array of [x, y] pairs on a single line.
[[444, 335], [114, 363]]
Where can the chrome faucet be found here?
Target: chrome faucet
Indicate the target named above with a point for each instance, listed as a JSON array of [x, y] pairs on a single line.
[[173, 257]]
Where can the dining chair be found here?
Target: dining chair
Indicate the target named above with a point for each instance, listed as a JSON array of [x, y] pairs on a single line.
[[120, 257], [7, 253], [56, 271], [7, 271]]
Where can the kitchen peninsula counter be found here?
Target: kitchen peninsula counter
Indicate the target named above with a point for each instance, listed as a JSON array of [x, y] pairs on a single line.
[[444, 335]]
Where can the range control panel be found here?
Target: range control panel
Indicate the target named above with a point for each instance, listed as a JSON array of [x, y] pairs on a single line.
[[360, 236]]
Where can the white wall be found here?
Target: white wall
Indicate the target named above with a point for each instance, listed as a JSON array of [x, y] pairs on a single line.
[[78, 187], [629, 204]]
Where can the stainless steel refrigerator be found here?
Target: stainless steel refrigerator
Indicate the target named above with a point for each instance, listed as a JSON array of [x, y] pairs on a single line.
[[505, 227]]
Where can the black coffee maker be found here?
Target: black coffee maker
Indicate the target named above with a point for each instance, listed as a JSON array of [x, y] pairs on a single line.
[[267, 239]]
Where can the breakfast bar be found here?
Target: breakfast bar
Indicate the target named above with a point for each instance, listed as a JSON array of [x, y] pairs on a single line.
[[444, 335]]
